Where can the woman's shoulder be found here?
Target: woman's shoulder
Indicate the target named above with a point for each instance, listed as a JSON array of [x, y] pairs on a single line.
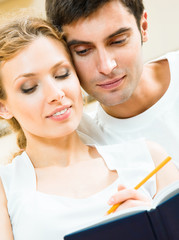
[[9, 172], [7, 168]]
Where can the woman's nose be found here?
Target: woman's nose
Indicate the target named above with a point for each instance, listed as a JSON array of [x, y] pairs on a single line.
[[54, 93]]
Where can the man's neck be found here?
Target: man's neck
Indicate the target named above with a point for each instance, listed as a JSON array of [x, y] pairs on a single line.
[[154, 83], [132, 107]]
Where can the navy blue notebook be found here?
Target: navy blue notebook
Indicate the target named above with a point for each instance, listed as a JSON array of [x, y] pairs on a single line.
[[161, 222]]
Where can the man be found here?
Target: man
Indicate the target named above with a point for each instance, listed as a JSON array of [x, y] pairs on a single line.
[[105, 38]]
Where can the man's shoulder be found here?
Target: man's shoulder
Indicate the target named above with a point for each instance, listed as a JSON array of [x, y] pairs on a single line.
[[163, 69], [166, 56], [89, 131]]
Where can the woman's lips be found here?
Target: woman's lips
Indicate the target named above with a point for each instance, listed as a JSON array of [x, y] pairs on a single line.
[[60, 114]]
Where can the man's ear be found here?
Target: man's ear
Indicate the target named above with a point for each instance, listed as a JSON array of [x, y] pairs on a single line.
[[144, 27], [4, 113]]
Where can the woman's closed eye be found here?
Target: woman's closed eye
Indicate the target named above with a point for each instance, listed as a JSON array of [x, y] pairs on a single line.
[[28, 90], [30, 86], [62, 75]]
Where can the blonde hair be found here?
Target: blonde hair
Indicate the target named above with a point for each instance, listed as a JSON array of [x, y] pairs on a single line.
[[14, 36]]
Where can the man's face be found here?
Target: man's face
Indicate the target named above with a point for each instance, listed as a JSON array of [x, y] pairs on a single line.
[[107, 52]]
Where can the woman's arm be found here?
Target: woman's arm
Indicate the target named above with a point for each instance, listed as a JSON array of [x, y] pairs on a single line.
[[5, 224], [165, 176], [169, 173]]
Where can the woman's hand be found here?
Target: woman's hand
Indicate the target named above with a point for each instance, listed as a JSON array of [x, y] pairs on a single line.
[[129, 198]]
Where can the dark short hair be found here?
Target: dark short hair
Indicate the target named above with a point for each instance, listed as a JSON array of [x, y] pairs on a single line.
[[64, 12]]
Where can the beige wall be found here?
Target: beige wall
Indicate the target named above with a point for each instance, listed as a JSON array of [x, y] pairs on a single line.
[[163, 18], [8, 6]]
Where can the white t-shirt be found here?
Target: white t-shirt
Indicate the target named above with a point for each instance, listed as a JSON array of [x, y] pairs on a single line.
[[40, 216], [159, 123]]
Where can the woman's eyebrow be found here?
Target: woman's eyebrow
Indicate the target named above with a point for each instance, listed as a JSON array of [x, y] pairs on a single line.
[[26, 75]]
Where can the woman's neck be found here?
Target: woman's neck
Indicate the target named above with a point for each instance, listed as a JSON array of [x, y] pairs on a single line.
[[63, 151]]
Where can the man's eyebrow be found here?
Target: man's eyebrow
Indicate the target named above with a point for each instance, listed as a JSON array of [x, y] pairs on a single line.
[[77, 42], [119, 31]]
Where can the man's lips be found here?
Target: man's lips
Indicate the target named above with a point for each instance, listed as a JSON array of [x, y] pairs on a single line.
[[111, 83]]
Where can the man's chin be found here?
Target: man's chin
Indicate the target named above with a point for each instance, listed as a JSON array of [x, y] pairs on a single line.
[[112, 102]]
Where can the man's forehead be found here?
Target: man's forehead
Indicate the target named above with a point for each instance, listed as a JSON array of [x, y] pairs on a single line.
[[117, 17]]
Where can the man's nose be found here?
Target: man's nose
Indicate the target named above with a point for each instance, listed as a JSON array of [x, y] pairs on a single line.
[[106, 63]]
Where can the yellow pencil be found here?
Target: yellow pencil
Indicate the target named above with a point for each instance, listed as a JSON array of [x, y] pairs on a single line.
[[115, 206]]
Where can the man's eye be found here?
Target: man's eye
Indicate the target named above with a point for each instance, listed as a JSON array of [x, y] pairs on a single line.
[[63, 76], [29, 90], [83, 52], [118, 42]]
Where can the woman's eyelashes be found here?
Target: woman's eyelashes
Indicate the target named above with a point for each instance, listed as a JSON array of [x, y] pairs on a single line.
[[29, 89], [63, 75]]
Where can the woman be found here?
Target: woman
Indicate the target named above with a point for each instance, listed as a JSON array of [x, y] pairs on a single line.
[[58, 182]]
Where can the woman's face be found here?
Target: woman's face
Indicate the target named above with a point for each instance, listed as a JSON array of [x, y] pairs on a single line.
[[43, 91]]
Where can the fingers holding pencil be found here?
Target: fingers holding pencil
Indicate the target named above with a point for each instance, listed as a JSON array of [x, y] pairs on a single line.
[[161, 165], [128, 198]]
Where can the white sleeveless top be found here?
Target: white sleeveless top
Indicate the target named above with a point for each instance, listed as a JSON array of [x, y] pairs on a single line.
[[38, 216]]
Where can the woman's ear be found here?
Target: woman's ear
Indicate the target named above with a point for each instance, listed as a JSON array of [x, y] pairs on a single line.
[[144, 27], [4, 113]]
